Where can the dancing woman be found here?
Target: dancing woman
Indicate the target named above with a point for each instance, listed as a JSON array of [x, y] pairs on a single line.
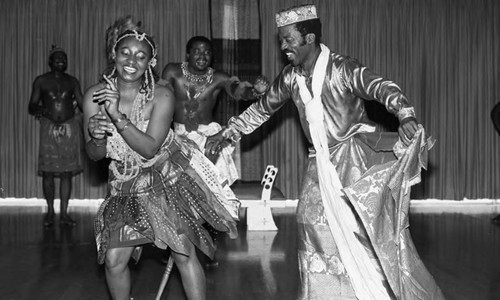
[[161, 190]]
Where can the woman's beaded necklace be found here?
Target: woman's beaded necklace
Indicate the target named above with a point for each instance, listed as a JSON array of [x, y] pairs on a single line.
[[121, 151]]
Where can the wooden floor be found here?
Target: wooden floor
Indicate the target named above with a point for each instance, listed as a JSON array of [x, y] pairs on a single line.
[[461, 250]]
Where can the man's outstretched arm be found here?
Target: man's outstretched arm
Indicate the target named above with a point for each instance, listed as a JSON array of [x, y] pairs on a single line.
[[244, 90]]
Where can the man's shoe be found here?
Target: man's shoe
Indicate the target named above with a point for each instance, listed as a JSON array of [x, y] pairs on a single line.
[[67, 221], [48, 220]]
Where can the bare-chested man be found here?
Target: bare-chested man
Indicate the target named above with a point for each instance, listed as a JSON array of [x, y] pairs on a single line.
[[196, 87], [54, 100]]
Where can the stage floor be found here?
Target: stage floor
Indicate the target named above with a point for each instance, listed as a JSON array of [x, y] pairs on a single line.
[[460, 247]]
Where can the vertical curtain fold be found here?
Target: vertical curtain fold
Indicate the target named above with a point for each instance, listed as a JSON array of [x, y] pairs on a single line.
[[236, 39]]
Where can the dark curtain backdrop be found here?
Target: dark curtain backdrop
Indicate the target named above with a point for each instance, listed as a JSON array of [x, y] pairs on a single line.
[[237, 48], [443, 53]]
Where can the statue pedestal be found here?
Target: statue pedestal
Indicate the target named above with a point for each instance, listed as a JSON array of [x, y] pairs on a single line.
[[259, 218]]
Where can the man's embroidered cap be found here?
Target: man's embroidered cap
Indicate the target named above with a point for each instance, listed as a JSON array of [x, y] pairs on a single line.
[[296, 14]]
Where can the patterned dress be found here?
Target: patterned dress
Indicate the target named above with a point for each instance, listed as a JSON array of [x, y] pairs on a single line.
[[160, 199], [376, 174]]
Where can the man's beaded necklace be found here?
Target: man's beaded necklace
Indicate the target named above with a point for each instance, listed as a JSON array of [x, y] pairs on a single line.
[[195, 78], [196, 85]]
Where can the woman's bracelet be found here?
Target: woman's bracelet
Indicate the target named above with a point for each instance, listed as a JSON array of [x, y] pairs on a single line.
[[127, 123], [119, 120], [98, 142]]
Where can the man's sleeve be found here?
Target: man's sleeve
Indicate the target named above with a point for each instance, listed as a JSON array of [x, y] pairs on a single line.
[[371, 86], [259, 112]]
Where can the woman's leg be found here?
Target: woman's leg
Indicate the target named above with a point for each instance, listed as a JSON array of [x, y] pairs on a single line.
[[118, 273], [192, 274]]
